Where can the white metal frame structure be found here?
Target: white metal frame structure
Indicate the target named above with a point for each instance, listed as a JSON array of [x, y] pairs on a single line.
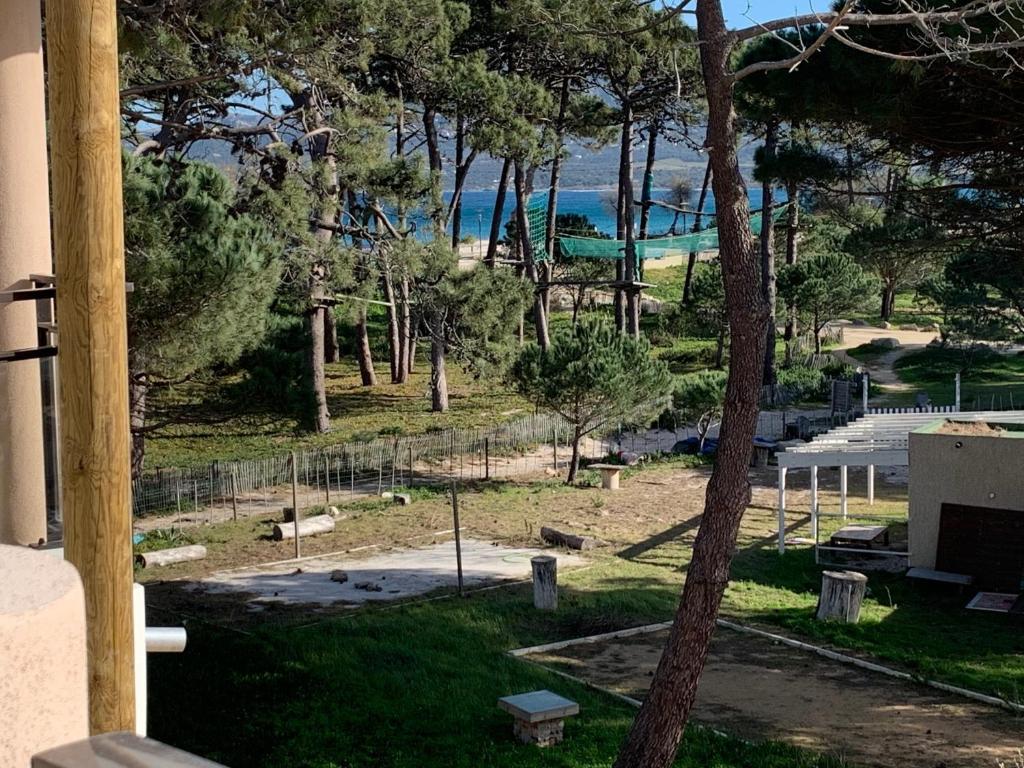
[[876, 440]]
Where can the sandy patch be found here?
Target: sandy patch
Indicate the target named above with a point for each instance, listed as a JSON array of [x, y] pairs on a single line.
[[391, 576], [759, 690]]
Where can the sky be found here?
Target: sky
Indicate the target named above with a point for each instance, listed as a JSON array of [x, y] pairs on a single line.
[[743, 13]]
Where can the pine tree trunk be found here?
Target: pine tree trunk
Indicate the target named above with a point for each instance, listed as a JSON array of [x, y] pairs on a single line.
[[768, 253], [498, 214], [394, 333], [315, 324], [404, 331], [138, 389], [332, 353], [413, 343], [438, 376], [364, 357], [647, 189], [632, 294], [654, 738], [574, 464], [540, 319], [888, 302], [792, 226], [556, 172], [691, 262], [460, 159]]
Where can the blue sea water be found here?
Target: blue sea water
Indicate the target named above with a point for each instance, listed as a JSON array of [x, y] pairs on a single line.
[[598, 205]]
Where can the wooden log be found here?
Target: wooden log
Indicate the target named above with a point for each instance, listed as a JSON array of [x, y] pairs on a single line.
[[311, 526], [88, 240], [842, 593], [545, 582], [171, 556], [568, 540]]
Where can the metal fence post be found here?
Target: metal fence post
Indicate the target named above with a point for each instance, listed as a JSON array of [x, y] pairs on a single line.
[[295, 504]]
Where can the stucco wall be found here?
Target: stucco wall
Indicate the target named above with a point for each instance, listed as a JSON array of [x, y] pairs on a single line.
[[982, 472], [24, 249]]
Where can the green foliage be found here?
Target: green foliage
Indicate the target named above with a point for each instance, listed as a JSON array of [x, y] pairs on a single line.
[[699, 398], [981, 292], [825, 284], [481, 310], [204, 274], [593, 376], [707, 306], [163, 538]]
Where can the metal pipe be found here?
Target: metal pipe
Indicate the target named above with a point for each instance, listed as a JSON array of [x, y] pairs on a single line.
[[165, 639]]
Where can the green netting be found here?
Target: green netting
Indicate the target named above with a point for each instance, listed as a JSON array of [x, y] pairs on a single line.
[[655, 248], [536, 220]]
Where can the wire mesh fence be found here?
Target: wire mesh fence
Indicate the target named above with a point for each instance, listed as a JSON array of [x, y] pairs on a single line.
[[336, 474]]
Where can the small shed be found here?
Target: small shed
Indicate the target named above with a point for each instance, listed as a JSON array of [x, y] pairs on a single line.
[[967, 501]]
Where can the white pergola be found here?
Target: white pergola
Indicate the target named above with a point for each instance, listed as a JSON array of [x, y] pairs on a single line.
[[874, 440]]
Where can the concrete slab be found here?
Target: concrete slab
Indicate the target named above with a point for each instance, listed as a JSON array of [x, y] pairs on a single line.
[[389, 576]]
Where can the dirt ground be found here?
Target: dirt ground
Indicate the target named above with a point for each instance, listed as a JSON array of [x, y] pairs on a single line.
[[655, 505], [759, 690], [386, 576]]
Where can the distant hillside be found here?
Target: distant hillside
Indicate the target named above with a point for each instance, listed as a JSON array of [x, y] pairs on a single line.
[[585, 168]]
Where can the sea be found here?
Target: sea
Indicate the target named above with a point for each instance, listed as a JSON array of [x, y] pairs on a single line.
[[598, 205]]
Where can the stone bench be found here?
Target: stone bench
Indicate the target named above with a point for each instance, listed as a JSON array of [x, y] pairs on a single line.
[[943, 577], [539, 716], [609, 475]]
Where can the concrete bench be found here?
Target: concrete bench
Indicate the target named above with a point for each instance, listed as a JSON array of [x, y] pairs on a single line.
[[944, 577], [863, 536], [609, 475], [539, 716]]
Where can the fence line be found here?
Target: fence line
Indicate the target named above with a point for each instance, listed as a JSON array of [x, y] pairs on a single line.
[[328, 475]]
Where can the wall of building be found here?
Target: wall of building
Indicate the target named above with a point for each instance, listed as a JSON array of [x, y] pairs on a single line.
[[24, 250], [978, 471]]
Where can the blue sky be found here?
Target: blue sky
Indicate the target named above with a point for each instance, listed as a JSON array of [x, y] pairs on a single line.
[[739, 13]]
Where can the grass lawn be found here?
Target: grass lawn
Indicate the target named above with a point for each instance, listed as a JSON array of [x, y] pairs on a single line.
[[415, 685], [357, 413], [986, 375], [909, 310]]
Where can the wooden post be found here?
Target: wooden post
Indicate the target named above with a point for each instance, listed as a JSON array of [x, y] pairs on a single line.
[[554, 448], [842, 593], [843, 486], [327, 487], [234, 496], [352, 473], [545, 582], [871, 484], [295, 505], [412, 476], [458, 534], [782, 510], [865, 391], [487, 458], [85, 134], [814, 503]]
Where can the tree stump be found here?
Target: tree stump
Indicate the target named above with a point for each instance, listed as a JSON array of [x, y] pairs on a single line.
[[842, 593], [545, 582]]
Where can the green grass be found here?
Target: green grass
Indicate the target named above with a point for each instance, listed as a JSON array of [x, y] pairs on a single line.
[[668, 283], [986, 375], [868, 353], [357, 412], [414, 687], [909, 310]]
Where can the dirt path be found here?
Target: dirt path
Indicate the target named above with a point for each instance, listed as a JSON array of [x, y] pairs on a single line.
[[882, 369], [755, 689]]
